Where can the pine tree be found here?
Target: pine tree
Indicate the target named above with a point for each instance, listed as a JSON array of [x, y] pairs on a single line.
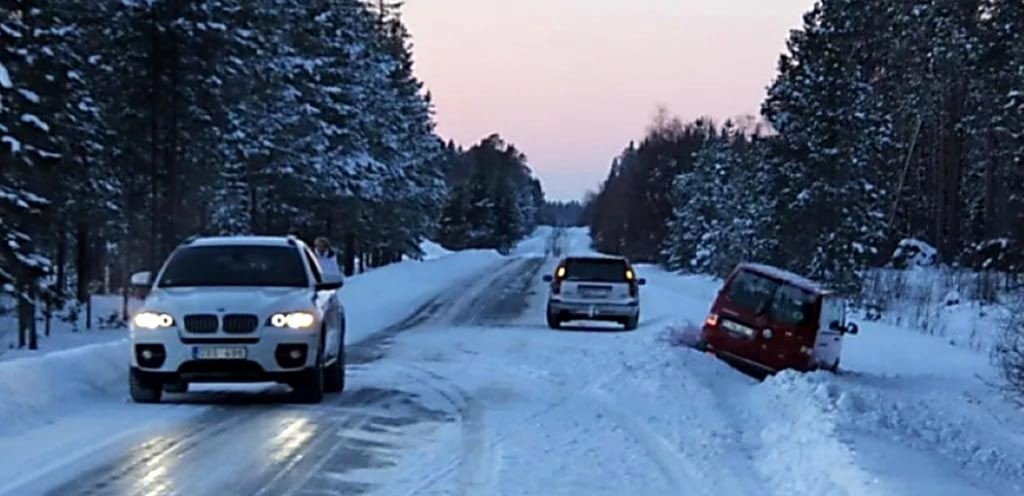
[[831, 207]]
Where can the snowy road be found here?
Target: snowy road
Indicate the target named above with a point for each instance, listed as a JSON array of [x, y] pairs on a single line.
[[469, 393]]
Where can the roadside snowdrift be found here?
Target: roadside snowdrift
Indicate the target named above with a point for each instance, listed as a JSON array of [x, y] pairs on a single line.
[[32, 390]]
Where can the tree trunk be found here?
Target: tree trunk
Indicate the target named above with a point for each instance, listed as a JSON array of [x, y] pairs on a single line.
[[26, 323], [82, 262], [349, 253], [62, 260]]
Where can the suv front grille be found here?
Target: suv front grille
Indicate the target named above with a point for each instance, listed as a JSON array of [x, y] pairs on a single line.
[[201, 323], [240, 324]]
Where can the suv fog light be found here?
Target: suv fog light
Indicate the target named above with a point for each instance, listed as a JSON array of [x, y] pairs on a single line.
[[295, 354], [147, 354], [767, 333]]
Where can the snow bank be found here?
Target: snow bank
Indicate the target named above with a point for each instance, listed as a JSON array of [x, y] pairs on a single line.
[[432, 250], [34, 390], [801, 446]]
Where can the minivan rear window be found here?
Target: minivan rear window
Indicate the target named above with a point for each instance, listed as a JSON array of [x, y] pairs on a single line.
[[782, 303], [595, 269]]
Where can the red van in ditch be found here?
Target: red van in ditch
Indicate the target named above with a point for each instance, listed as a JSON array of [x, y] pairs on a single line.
[[772, 319]]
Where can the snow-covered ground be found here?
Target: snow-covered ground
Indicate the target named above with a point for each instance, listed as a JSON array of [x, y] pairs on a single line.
[[477, 396]]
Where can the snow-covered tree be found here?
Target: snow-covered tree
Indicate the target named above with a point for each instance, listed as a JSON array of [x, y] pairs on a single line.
[[27, 152]]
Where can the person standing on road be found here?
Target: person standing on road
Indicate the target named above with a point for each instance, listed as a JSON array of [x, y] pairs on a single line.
[[327, 257]]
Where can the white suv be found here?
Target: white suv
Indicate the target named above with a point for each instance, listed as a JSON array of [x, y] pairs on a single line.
[[594, 288], [239, 309]]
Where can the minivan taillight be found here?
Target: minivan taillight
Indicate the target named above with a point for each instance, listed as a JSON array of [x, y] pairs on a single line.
[[556, 286], [712, 320], [634, 289]]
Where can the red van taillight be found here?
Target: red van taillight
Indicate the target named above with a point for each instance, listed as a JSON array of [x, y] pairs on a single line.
[[712, 320]]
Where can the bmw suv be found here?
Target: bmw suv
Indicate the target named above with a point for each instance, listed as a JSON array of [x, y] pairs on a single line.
[[594, 288], [238, 309]]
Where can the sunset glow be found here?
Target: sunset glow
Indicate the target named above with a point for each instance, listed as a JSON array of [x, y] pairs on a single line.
[[571, 82]]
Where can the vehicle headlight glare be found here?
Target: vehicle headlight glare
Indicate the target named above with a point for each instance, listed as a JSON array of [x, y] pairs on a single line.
[[153, 320], [293, 320]]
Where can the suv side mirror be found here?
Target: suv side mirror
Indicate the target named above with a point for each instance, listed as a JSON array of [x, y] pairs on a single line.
[[641, 282], [835, 326], [852, 328], [142, 279], [331, 281], [548, 278]]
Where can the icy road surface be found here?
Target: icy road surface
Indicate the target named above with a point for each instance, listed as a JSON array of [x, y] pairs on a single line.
[[469, 393]]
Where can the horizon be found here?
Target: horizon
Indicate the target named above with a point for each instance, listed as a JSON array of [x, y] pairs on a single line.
[[572, 97]]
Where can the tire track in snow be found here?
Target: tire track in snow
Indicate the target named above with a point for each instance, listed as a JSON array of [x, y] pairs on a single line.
[[678, 469]]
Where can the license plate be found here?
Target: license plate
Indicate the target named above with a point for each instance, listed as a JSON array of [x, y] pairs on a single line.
[[594, 293], [737, 328], [218, 353]]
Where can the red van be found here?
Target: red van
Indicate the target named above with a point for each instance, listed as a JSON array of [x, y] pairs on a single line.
[[772, 319]]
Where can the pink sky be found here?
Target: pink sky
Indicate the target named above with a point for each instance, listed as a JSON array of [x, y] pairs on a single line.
[[571, 82]]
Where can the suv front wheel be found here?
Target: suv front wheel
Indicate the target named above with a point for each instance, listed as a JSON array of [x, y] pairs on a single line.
[[334, 374], [309, 387], [142, 389]]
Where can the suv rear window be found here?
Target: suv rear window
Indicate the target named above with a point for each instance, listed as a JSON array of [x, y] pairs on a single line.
[[199, 266], [596, 270], [783, 303]]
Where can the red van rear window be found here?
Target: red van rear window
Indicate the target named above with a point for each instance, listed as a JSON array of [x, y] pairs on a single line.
[[783, 303]]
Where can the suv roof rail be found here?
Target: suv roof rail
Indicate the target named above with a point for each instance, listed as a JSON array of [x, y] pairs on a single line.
[[190, 239]]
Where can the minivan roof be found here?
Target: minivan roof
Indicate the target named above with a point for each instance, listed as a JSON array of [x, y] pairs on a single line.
[[787, 277]]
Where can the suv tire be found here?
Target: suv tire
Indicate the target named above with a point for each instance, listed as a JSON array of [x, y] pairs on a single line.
[[143, 390], [553, 321], [309, 388], [334, 374], [631, 323]]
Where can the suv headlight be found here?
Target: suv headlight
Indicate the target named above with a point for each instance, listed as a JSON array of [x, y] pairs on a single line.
[[292, 320], [153, 320]]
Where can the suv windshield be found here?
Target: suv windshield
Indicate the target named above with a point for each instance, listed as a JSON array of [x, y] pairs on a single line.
[[783, 303], [595, 269], [234, 266]]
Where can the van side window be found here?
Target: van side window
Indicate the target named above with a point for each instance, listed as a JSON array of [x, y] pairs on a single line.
[[832, 311]]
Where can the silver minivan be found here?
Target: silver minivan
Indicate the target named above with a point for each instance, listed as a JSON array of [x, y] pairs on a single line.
[[594, 288]]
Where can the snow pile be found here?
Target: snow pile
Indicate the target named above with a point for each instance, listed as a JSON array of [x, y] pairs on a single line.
[[432, 250], [802, 447], [914, 253], [35, 390]]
